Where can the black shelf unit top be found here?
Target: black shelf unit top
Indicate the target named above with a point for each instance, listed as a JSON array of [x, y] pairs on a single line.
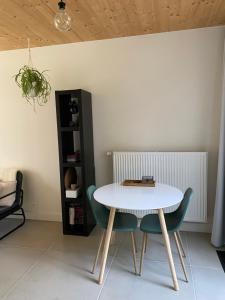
[[75, 130]]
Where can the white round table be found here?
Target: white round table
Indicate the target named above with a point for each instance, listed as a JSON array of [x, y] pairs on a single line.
[[159, 197]]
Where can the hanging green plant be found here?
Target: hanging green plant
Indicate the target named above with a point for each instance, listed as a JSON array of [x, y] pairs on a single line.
[[35, 87]]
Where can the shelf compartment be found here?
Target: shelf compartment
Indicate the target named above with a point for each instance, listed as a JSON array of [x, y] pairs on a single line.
[[70, 146], [69, 107], [75, 216]]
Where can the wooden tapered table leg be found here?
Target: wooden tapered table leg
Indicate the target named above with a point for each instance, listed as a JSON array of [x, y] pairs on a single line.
[[134, 252], [168, 248], [106, 244], [98, 252]]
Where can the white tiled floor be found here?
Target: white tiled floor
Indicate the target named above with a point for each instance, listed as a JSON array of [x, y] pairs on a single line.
[[38, 262]]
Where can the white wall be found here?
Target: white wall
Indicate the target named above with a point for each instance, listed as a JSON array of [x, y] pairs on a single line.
[[152, 92]]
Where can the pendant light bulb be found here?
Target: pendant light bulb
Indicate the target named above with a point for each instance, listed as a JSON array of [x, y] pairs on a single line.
[[62, 20]]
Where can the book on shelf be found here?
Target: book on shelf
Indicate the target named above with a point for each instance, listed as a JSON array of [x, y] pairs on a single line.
[[76, 216], [79, 216], [73, 157]]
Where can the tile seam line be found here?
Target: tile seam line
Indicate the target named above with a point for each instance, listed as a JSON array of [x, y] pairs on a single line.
[[110, 266], [30, 268], [191, 272], [197, 265], [205, 267], [21, 247]]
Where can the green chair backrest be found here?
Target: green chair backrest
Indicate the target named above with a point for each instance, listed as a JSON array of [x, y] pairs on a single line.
[[100, 212], [179, 214]]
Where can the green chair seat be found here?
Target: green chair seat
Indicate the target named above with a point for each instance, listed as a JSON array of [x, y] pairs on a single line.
[[123, 221], [150, 223]]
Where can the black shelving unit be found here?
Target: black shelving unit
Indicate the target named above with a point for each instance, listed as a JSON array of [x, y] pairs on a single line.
[[75, 136]]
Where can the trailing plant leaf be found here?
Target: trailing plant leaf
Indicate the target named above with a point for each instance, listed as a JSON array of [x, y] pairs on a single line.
[[34, 85]]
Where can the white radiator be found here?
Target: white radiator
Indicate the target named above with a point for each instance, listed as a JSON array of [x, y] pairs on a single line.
[[179, 169]]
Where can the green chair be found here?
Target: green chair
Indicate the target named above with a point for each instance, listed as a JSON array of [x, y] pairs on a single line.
[[151, 224], [123, 222]]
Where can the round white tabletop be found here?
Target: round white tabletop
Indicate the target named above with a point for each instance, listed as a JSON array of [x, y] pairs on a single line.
[[138, 198]]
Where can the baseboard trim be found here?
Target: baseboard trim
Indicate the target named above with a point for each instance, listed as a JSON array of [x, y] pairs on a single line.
[[56, 217], [196, 227]]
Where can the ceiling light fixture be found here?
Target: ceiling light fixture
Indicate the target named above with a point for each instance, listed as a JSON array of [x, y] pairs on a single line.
[[62, 20]]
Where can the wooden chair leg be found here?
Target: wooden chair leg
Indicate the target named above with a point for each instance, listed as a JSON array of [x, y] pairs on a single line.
[[181, 243], [98, 252], [134, 252], [142, 252], [180, 256], [135, 243], [146, 242]]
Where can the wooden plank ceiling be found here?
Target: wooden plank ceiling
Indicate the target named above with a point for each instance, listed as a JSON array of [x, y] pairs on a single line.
[[102, 19]]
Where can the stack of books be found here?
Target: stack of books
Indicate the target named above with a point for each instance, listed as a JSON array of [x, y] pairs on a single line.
[[74, 157], [76, 216]]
